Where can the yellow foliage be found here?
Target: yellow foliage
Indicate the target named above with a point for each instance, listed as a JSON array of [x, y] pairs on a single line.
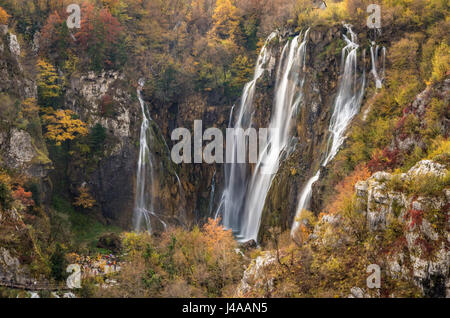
[[29, 106], [441, 63], [5, 178], [48, 80], [225, 19], [335, 11], [61, 126], [85, 199], [440, 148]]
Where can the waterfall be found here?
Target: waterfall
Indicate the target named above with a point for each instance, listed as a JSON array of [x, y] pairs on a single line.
[[144, 203], [374, 61], [243, 198], [236, 174], [212, 194], [288, 96], [346, 106]]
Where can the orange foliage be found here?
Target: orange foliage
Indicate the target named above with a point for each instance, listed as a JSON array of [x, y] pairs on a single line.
[[4, 16], [24, 197], [97, 26], [216, 234], [49, 33], [346, 188]]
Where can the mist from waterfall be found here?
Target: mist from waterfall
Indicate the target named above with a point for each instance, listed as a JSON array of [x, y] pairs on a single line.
[[346, 106]]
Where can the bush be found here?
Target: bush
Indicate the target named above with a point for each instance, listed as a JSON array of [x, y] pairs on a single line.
[[197, 263], [110, 241], [441, 63], [58, 263]]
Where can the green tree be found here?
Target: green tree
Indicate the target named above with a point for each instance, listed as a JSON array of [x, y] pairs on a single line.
[[241, 72], [58, 263]]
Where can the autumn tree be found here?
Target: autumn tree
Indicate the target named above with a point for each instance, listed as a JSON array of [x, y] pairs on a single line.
[[225, 20], [55, 37], [61, 125], [49, 89], [100, 37], [30, 107], [85, 199], [241, 71], [23, 196], [346, 188], [4, 16], [216, 235], [441, 63]]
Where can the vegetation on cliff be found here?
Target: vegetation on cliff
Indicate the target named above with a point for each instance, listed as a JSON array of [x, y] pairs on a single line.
[[64, 127]]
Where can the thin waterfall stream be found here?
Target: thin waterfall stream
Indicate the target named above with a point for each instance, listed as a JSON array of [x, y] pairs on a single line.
[[346, 106], [144, 202]]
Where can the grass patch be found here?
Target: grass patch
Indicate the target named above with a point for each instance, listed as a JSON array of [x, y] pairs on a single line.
[[85, 228]]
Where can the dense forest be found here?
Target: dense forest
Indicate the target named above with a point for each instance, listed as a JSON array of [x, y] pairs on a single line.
[[78, 104]]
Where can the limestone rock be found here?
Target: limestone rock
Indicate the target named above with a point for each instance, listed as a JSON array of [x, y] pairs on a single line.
[[255, 276], [14, 46], [382, 205]]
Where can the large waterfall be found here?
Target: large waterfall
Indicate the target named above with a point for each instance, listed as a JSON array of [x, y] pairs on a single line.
[[243, 202], [346, 106], [236, 174], [144, 201]]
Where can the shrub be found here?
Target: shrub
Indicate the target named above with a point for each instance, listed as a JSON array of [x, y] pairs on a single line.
[[441, 63], [58, 263], [85, 199], [5, 196], [440, 150], [428, 184], [204, 261], [4, 16], [345, 189], [23, 196]]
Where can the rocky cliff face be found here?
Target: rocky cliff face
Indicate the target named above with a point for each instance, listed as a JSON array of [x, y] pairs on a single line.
[[22, 147], [108, 100], [405, 234], [424, 219]]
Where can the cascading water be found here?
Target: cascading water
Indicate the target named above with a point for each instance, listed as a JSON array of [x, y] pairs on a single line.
[[236, 174], [378, 77], [212, 194], [144, 201], [243, 201], [288, 96], [346, 106]]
